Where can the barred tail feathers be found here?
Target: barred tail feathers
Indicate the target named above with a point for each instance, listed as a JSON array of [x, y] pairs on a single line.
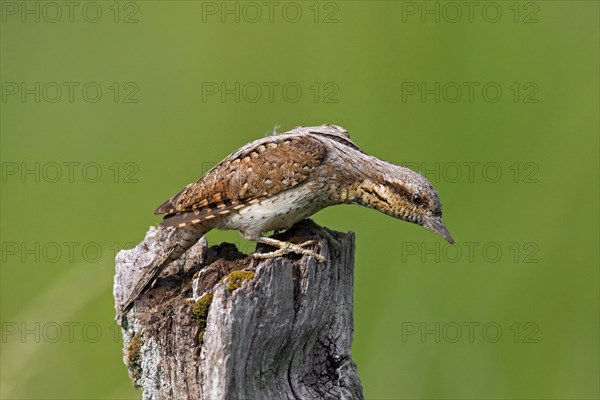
[[176, 245]]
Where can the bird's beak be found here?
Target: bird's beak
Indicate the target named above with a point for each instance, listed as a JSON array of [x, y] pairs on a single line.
[[434, 223]]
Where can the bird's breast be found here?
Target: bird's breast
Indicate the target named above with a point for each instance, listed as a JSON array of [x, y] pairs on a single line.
[[279, 211]]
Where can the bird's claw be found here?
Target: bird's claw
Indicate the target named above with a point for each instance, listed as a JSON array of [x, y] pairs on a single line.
[[287, 247]]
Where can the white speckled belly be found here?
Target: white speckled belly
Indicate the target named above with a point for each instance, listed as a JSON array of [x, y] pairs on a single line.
[[280, 211]]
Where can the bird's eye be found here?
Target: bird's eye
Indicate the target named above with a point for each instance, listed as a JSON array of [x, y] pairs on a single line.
[[417, 199]]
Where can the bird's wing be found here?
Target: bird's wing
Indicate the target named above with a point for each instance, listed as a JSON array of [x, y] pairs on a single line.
[[334, 132], [256, 171]]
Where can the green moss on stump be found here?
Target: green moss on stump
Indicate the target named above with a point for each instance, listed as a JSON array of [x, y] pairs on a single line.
[[200, 313], [236, 278]]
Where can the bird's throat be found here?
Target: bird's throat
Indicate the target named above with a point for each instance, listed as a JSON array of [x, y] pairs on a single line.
[[373, 195]]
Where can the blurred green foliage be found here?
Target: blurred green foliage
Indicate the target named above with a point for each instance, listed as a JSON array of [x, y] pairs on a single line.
[[497, 103]]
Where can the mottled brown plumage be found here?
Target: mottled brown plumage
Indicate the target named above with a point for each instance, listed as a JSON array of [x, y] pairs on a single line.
[[248, 175], [276, 181], [319, 165]]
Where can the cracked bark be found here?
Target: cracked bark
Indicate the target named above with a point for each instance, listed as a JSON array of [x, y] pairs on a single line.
[[284, 334]]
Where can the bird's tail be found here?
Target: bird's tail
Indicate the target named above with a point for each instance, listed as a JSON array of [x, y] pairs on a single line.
[[175, 242]]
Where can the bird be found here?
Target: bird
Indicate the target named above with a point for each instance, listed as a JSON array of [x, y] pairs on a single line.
[[274, 182]]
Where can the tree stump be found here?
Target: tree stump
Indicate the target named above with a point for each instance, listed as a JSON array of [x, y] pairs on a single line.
[[218, 324]]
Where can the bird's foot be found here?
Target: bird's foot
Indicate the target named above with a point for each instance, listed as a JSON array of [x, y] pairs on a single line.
[[286, 248]]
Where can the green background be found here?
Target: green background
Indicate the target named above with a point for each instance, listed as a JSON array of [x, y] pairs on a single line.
[[529, 287]]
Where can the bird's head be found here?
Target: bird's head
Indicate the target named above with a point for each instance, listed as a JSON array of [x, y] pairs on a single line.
[[406, 195]]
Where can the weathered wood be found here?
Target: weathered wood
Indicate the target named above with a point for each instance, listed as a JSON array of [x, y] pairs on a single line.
[[280, 330]]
